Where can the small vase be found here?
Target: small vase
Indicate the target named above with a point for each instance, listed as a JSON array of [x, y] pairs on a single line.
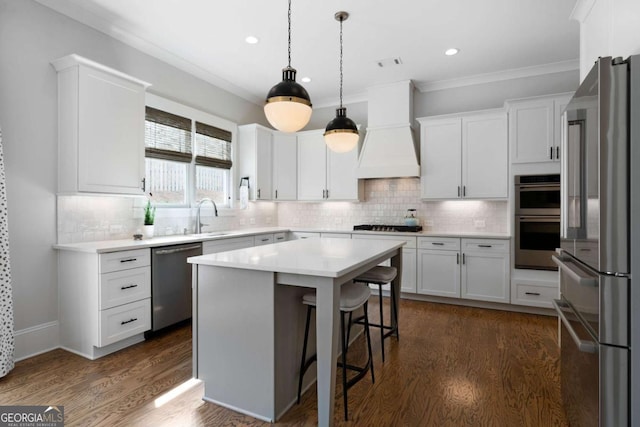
[[148, 231]]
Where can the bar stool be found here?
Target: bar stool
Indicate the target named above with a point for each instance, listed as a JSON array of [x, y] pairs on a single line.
[[352, 297], [381, 275]]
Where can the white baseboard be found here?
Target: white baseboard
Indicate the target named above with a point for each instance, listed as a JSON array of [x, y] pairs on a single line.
[[36, 340]]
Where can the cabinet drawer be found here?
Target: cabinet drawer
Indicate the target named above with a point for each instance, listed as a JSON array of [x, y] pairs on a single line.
[[122, 287], [124, 260], [534, 295], [124, 321], [279, 237], [295, 235], [443, 243], [215, 246], [262, 239], [484, 245], [411, 241]]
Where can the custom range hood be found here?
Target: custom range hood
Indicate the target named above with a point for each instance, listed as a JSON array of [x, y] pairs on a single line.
[[389, 149]]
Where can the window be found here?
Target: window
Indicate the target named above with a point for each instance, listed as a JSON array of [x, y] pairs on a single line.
[[187, 158]]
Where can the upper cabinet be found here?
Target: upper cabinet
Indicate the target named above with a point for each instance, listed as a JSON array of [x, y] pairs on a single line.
[[255, 154], [285, 166], [464, 156], [100, 128], [323, 174], [535, 128]]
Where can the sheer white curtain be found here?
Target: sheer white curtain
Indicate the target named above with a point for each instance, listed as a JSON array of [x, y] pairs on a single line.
[[6, 300]]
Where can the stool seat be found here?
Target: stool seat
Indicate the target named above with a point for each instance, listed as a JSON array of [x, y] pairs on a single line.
[[378, 274], [352, 296]]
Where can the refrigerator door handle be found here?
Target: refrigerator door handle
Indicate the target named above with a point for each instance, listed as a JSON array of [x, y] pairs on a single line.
[[576, 274], [584, 346]]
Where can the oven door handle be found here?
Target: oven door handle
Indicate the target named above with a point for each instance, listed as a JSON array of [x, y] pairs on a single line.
[[539, 218], [576, 274], [585, 346], [543, 187]]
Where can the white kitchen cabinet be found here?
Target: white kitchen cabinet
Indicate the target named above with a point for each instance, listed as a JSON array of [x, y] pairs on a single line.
[[485, 270], [439, 266], [285, 170], [101, 119], [476, 269], [255, 149], [223, 245], [295, 235], [263, 239], [104, 300], [535, 128], [324, 174], [464, 156], [280, 237]]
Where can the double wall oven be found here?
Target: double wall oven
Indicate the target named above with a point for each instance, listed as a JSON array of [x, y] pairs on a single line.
[[537, 220]]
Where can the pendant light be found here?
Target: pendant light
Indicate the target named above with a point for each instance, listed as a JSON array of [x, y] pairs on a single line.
[[341, 134], [288, 106]]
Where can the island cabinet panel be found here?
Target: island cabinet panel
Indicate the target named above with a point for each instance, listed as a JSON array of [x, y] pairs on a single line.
[[104, 300], [101, 120]]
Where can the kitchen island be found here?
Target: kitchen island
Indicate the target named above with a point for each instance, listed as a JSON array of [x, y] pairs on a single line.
[[248, 319]]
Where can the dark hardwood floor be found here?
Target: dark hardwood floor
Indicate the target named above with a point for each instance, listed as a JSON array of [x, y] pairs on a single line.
[[453, 366]]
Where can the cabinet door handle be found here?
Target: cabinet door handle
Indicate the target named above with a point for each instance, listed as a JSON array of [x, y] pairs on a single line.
[[276, 194], [128, 287], [537, 294], [264, 240], [464, 191], [458, 191], [485, 246], [557, 152], [551, 153], [463, 258], [258, 193], [128, 321], [437, 243], [144, 185], [327, 194], [457, 258], [279, 238], [129, 260]]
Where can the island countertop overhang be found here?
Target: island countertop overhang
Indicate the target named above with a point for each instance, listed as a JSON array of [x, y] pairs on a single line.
[[318, 257]]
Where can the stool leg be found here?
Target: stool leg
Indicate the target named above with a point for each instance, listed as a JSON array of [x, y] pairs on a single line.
[[344, 366], [381, 320], [304, 351], [394, 312], [366, 325]]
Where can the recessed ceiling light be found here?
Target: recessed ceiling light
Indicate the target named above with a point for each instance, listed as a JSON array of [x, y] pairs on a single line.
[[251, 40], [451, 52], [305, 79]]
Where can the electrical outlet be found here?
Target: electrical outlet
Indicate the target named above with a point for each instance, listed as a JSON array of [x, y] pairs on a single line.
[[243, 221], [252, 221], [428, 223], [337, 220], [478, 223]]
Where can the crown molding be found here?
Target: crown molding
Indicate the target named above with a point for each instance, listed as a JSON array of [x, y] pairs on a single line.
[[538, 70], [581, 10]]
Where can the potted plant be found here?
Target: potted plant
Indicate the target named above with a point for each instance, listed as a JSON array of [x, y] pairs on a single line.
[[149, 218]]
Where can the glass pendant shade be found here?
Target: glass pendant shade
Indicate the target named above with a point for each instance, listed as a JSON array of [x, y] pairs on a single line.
[[341, 134], [288, 106]]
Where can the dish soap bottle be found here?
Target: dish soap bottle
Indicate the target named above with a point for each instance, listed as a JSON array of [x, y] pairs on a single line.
[[410, 218]]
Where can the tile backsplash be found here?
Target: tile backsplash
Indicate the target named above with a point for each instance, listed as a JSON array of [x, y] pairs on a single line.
[[386, 202], [91, 218]]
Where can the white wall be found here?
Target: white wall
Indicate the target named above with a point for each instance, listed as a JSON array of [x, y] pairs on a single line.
[[607, 28], [32, 35]]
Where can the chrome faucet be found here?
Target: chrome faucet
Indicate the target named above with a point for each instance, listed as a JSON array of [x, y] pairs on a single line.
[[198, 223]]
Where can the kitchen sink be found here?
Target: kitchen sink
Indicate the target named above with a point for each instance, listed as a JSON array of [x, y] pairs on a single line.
[[211, 234]]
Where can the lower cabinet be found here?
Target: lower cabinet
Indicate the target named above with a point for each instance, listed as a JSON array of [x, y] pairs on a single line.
[[104, 300], [453, 267]]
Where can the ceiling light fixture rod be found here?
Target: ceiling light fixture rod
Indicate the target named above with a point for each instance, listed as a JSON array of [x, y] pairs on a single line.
[[341, 16], [289, 19]]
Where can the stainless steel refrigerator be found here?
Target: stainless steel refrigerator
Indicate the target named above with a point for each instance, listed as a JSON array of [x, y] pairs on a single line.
[[600, 247]]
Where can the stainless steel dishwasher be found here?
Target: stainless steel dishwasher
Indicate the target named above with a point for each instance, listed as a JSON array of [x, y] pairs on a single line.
[[171, 283]]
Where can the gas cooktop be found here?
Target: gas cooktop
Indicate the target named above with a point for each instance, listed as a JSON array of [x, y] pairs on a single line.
[[398, 228]]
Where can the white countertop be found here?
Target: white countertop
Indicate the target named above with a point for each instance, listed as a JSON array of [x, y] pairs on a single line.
[[128, 244], [316, 257]]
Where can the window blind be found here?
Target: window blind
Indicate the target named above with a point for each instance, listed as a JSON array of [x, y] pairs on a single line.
[[213, 146], [167, 136]]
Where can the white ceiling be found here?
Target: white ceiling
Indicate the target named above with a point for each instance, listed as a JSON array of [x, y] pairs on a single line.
[[496, 38]]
